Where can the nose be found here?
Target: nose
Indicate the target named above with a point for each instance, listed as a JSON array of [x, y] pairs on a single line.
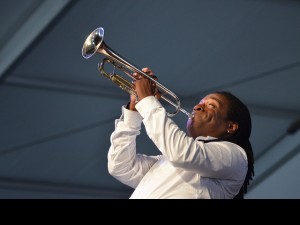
[[199, 107]]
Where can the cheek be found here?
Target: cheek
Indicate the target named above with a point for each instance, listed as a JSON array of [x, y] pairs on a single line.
[[220, 118], [219, 123]]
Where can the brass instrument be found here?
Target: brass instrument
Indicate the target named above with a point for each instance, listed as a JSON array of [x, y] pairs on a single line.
[[94, 43]]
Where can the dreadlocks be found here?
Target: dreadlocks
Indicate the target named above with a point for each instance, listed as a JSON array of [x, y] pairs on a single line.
[[239, 113]]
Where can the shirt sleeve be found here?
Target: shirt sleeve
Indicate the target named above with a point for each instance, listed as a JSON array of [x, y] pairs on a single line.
[[215, 159], [123, 162]]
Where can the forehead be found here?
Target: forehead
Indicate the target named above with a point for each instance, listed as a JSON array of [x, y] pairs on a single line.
[[216, 97]]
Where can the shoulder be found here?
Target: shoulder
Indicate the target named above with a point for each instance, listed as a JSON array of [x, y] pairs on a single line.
[[224, 146], [236, 149]]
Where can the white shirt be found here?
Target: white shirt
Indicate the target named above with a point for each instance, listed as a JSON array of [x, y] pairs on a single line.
[[187, 167]]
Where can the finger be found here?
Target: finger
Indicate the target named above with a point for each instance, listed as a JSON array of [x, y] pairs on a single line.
[[137, 76], [148, 71]]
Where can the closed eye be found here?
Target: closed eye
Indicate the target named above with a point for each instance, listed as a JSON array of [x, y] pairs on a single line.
[[211, 106]]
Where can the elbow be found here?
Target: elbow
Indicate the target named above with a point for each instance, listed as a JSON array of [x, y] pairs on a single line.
[[112, 169], [112, 166]]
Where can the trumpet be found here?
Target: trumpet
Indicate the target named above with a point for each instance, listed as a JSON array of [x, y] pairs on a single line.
[[94, 43]]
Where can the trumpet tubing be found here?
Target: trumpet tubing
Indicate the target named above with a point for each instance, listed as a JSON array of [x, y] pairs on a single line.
[[94, 43]]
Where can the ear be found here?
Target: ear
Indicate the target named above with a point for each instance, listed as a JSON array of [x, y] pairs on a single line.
[[232, 127]]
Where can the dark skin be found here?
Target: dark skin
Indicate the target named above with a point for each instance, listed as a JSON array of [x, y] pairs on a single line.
[[210, 118], [143, 88], [209, 114]]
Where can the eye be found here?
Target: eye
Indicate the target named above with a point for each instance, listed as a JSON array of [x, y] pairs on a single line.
[[210, 105]]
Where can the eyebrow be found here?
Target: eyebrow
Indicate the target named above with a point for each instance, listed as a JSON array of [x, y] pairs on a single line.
[[216, 99]]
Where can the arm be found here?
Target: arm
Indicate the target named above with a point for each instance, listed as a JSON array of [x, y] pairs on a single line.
[[123, 162]]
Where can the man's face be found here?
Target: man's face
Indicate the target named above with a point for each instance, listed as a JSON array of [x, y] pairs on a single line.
[[209, 117]]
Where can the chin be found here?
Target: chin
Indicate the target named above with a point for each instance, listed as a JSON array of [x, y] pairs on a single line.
[[188, 129]]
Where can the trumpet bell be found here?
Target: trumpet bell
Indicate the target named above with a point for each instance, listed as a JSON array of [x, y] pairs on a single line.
[[93, 43]]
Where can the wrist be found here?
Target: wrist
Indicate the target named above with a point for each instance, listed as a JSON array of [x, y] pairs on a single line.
[[131, 106]]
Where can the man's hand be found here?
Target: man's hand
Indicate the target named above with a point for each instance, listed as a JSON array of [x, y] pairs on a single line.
[[143, 87]]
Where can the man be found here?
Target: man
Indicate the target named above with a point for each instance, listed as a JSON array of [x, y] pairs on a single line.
[[213, 159]]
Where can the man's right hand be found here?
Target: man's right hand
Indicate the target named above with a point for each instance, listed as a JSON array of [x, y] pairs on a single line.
[[154, 90]]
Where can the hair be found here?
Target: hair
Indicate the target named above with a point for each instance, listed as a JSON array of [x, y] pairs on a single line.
[[239, 113]]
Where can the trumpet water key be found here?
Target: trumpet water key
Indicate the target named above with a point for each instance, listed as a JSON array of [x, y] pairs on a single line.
[[94, 43]]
